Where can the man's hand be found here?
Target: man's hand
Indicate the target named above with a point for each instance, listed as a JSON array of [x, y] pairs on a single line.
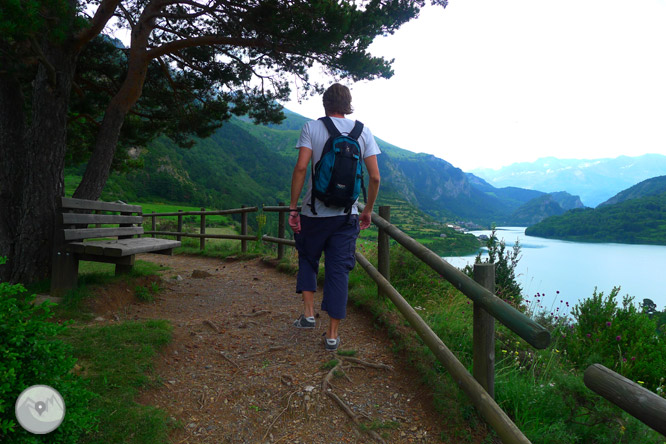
[[295, 221], [365, 219]]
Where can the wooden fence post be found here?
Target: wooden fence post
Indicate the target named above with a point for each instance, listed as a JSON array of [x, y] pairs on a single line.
[[180, 225], [243, 230], [484, 333], [202, 230], [281, 232], [383, 256], [153, 224]]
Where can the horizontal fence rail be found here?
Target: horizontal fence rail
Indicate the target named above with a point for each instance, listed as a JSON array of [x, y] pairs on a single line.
[[205, 213], [522, 325], [485, 404], [202, 235], [206, 235], [638, 401]]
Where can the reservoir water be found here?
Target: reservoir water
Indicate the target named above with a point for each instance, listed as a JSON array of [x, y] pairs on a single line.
[[574, 269]]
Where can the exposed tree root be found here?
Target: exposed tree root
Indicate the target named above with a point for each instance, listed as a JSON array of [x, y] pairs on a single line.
[[255, 313], [326, 388], [229, 360], [268, 430], [211, 325]]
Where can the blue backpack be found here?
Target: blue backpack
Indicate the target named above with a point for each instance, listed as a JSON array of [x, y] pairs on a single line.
[[337, 178]]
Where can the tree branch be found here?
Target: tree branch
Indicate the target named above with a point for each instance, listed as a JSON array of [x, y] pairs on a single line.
[[128, 16], [104, 12], [205, 40]]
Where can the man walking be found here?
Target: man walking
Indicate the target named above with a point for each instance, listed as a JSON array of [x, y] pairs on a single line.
[[328, 229]]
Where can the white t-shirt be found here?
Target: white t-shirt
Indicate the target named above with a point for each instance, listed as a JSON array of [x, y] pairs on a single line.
[[314, 136]]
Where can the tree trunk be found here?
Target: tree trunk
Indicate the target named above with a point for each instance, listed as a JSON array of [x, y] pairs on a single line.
[[12, 127], [99, 166], [34, 169]]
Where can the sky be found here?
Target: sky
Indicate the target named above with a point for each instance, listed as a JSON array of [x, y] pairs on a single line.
[[487, 83]]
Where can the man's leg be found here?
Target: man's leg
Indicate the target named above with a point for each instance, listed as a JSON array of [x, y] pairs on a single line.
[[308, 303], [332, 330], [309, 244], [339, 260]]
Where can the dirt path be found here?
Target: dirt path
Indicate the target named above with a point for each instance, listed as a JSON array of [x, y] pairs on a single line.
[[238, 372]]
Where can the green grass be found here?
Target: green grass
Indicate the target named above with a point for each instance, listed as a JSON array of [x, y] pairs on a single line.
[[117, 362]]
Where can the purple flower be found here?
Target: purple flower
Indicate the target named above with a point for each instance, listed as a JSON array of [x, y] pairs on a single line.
[[608, 324], [633, 358], [558, 292], [624, 359], [589, 335], [618, 337]]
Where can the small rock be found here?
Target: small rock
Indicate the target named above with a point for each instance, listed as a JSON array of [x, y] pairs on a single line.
[[208, 367], [178, 278], [99, 319], [200, 274], [192, 425], [172, 382], [309, 388]]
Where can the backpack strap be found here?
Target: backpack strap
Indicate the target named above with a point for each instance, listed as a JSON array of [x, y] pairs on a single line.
[[330, 126], [356, 132]]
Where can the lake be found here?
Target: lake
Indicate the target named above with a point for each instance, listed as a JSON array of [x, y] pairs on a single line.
[[575, 268]]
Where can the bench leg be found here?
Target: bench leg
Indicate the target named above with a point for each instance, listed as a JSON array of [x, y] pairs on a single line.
[[126, 266], [64, 273]]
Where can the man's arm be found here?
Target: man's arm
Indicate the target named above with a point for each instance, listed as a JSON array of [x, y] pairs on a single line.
[[373, 190], [297, 182], [298, 176]]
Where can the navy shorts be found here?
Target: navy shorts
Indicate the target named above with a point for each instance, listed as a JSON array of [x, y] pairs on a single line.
[[336, 238]]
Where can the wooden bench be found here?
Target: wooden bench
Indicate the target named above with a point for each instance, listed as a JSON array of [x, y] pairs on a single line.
[[75, 241]]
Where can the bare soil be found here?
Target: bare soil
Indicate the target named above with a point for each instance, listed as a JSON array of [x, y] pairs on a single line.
[[237, 371]]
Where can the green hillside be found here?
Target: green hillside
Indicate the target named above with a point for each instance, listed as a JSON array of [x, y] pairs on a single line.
[[244, 163], [635, 221]]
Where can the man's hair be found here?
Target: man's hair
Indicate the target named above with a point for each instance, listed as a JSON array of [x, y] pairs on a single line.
[[337, 100]]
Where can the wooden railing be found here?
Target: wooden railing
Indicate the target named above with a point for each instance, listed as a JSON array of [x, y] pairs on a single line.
[[202, 235], [638, 401]]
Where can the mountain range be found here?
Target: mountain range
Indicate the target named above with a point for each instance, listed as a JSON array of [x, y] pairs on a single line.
[[244, 163], [594, 180], [635, 215]]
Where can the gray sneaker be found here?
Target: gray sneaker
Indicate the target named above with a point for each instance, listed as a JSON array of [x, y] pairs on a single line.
[[302, 322], [330, 344]]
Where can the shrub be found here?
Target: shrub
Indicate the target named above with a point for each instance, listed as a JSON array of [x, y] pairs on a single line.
[[506, 283], [29, 355], [622, 338]]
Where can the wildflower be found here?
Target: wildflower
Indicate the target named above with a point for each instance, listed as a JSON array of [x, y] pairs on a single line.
[[618, 338], [640, 382], [633, 358], [589, 335], [608, 324], [558, 292], [504, 351], [557, 351]]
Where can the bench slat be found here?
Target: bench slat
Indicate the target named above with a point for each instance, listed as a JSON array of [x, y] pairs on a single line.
[[88, 233], [122, 247], [83, 204], [77, 218]]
